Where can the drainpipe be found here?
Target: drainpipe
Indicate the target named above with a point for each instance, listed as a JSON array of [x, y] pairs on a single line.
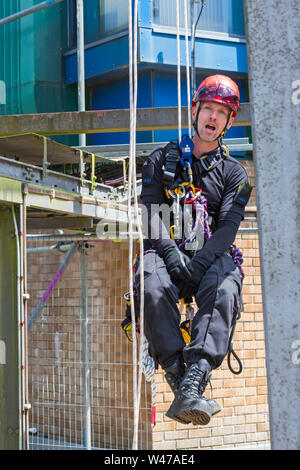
[[193, 33], [28, 11]]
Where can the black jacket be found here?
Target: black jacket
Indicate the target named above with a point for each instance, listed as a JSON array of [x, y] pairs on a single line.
[[221, 187]]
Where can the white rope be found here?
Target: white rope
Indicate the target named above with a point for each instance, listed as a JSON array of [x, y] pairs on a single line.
[[178, 70], [148, 365], [187, 62], [132, 99], [133, 87], [146, 362]]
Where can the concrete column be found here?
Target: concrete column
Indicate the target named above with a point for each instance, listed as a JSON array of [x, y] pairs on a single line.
[[273, 43]]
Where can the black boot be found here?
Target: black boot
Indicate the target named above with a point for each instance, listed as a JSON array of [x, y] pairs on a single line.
[[189, 403], [174, 376]]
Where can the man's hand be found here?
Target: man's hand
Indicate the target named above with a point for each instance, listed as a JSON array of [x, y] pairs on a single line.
[[176, 264], [188, 288]]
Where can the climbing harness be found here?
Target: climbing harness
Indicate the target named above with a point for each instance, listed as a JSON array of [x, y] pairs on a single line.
[[210, 162], [182, 152], [178, 152]]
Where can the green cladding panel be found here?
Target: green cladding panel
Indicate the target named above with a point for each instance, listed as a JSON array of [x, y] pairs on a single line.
[[31, 60]]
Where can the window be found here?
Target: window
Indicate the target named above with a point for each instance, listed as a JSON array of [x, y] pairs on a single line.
[[113, 16], [102, 18], [220, 16]]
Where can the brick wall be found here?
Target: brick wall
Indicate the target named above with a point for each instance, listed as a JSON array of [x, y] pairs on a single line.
[[56, 369]]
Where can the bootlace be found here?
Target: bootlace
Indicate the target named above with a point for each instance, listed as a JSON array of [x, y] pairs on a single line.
[[195, 382]]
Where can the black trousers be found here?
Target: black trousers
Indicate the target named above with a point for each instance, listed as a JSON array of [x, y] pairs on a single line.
[[217, 299]]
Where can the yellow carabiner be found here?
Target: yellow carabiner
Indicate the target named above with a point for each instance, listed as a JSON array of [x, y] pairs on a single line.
[[93, 177], [172, 231], [226, 149], [128, 331]]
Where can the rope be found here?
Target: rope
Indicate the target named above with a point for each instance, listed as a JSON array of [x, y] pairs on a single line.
[[178, 71], [187, 66], [148, 365], [132, 185]]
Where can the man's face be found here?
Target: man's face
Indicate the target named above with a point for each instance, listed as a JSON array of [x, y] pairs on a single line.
[[212, 119]]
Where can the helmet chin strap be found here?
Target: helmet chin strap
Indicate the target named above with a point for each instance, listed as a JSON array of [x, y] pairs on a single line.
[[195, 122], [225, 129]]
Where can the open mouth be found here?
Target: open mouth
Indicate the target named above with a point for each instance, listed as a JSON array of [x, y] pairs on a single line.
[[210, 127]]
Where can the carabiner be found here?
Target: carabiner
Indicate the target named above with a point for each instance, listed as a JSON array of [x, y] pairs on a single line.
[[175, 194]]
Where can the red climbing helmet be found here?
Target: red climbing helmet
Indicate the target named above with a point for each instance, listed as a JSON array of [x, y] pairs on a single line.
[[220, 89]]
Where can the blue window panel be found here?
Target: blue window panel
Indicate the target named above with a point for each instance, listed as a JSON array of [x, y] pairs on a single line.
[[115, 95], [100, 59], [161, 49], [165, 87], [165, 95]]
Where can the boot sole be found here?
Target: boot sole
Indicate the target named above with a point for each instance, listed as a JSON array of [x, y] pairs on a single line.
[[192, 415], [177, 418], [201, 417]]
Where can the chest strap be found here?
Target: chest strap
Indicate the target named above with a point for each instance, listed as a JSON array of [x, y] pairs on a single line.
[[173, 155], [213, 159]]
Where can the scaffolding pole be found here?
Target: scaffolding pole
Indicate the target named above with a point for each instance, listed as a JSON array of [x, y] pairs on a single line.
[[273, 44], [28, 11], [80, 63]]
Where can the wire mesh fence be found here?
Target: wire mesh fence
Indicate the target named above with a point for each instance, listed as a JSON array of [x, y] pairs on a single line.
[[82, 399]]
